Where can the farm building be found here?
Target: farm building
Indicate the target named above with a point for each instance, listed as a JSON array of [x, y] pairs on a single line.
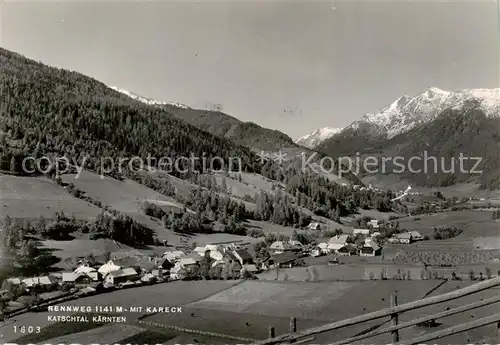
[[416, 236], [44, 281], [187, 262], [404, 238], [84, 269], [314, 226], [316, 251], [364, 232], [249, 268], [296, 243], [374, 223], [336, 242], [280, 247], [79, 278], [370, 248], [323, 248], [177, 272], [173, 256], [347, 249], [189, 258], [121, 276], [286, 259], [243, 256]]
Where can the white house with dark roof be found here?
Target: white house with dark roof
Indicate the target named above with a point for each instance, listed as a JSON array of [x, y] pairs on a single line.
[[121, 276], [370, 248]]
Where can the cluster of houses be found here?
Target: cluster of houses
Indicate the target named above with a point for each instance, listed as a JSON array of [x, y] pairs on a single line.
[[406, 237], [340, 245]]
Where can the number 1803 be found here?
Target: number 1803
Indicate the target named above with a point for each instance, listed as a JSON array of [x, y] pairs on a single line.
[[26, 329]]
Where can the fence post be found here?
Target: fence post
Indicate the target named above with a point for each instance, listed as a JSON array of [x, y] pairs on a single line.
[[394, 319], [271, 332], [293, 325]]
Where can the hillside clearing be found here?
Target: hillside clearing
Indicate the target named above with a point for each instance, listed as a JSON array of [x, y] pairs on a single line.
[[32, 197]]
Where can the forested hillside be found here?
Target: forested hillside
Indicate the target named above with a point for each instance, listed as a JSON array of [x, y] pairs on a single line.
[[243, 133], [48, 110]]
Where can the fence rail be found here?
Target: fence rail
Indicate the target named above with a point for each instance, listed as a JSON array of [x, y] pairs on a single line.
[[395, 310]]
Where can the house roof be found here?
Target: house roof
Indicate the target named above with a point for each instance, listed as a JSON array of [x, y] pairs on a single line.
[[371, 244], [124, 272], [15, 281], [404, 236], [285, 257], [173, 255], [340, 239], [361, 231], [250, 268], [37, 280], [280, 245], [108, 267], [244, 254], [295, 243], [335, 246], [187, 261], [84, 269], [415, 234]]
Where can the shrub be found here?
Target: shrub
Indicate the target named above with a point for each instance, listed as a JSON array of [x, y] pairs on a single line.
[[488, 272]]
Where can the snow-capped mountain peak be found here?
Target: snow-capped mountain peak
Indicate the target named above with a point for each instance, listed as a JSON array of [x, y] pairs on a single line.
[[147, 100], [313, 139], [408, 112]]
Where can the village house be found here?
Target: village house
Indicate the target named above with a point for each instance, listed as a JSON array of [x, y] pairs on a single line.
[[337, 242], [280, 247], [416, 236], [374, 224], [121, 276], [286, 259], [44, 282], [364, 232], [243, 257], [79, 279], [346, 250], [173, 256], [296, 243], [314, 226], [404, 238], [370, 248], [108, 267]]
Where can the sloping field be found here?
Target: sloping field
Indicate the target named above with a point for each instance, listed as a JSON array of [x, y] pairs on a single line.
[[471, 221], [83, 246], [32, 197], [124, 196], [327, 301], [247, 309]]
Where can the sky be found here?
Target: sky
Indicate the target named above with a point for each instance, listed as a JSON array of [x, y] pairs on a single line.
[[288, 65]]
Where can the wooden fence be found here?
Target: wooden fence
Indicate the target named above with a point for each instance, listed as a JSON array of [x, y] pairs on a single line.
[[308, 335]]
